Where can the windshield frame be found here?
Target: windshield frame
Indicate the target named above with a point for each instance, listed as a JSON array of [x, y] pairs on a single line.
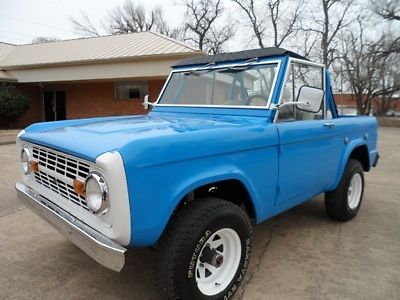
[[249, 63]]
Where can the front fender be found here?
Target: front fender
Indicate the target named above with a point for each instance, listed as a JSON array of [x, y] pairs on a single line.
[[156, 191], [152, 212]]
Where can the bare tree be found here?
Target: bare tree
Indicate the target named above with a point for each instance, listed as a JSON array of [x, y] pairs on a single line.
[[288, 23], [388, 73], [257, 24], [201, 25], [84, 26], [218, 39], [309, 40], [392, 79], [127, 18], [283, 18], [334, 18], [387, 9], [370, 71], [131, 17]]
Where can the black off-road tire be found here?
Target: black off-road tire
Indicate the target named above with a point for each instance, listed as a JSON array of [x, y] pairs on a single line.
[[337, 201], [184, 240]]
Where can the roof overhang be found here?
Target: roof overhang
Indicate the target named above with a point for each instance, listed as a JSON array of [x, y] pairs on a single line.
[[5, 77], [178, 56], [156, 67]]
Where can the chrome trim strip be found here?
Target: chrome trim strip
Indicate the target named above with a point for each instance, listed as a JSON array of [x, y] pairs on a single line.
[[212, 106], [163, 89], [282, 88], [266, 62], [102, 249], [307, 62]]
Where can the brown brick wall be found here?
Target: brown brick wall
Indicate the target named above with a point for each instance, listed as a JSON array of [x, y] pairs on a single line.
[[95, 99], [348, 100], [85, 100]]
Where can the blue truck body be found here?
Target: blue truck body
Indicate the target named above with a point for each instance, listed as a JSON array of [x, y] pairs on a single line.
[[175, 150]]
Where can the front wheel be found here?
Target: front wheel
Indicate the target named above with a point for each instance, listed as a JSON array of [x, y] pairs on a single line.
[[204, 252], [343, 203]]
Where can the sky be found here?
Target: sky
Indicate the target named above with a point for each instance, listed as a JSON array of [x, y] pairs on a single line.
[[23, 20]]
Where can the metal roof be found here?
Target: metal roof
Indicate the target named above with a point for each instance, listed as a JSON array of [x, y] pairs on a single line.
[[89, 50], [240, 55], [5, 49]]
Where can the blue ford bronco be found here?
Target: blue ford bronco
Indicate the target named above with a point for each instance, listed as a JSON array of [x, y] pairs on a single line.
[[233, 140]]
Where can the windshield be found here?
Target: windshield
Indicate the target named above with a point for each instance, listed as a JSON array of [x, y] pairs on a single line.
[[232, 86]]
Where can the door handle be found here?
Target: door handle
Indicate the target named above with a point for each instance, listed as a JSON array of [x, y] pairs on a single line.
[[329, 124]]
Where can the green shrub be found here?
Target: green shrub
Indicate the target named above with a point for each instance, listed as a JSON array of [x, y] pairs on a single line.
[[13, 104]]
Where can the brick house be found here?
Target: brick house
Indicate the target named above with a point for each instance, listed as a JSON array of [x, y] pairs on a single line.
[[90, 77], [347, 103]]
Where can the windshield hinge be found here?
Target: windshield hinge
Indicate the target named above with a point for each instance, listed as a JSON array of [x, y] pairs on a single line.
[[274, 106]]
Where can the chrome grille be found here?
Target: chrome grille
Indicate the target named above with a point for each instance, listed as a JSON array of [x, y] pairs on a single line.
[[59, 163], [57, 172]]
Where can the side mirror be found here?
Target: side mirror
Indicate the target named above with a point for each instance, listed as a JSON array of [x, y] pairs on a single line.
[[310, 99], [146, 102]]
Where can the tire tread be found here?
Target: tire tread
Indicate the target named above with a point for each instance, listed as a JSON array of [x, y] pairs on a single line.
[[336, 201], [178, 232]]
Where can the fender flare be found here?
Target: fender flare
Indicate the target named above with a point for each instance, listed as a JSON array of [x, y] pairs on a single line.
[[208, 178], [345, 157], [205, 178]]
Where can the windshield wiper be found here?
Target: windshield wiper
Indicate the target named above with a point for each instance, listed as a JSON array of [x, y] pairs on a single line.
[[234, 69], [248, 64], [197, 72], [192, 73]]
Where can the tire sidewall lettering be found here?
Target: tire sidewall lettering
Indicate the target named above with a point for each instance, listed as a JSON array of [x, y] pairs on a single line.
[[243, 270], [196, 252], [191, 270]]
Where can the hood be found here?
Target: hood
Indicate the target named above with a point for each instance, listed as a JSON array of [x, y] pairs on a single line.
[[89, 138]]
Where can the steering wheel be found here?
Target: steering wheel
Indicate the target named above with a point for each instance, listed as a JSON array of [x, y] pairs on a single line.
[[257, 100]]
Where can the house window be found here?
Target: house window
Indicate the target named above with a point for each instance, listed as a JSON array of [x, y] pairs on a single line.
[[130, 90]]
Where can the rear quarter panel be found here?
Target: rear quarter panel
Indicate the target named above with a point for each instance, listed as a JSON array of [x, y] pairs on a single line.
[[352, 132]]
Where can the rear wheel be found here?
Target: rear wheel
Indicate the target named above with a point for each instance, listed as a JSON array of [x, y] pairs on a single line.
[[343, 203], [204, 252]]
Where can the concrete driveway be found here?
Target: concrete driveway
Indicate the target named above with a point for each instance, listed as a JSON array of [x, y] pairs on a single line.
[[300, 254]]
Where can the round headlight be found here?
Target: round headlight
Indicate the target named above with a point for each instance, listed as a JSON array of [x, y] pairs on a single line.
[[26, 161], [96, 192]]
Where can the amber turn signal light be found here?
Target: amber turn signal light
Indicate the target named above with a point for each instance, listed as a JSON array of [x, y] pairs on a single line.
[[79, 187], [34, 166]]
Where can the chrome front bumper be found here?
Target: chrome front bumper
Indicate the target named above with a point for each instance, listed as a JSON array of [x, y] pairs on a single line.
[[99, 247]]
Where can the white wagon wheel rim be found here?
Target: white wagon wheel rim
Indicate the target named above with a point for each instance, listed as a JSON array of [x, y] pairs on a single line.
[[218, 261], [354, 191]]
